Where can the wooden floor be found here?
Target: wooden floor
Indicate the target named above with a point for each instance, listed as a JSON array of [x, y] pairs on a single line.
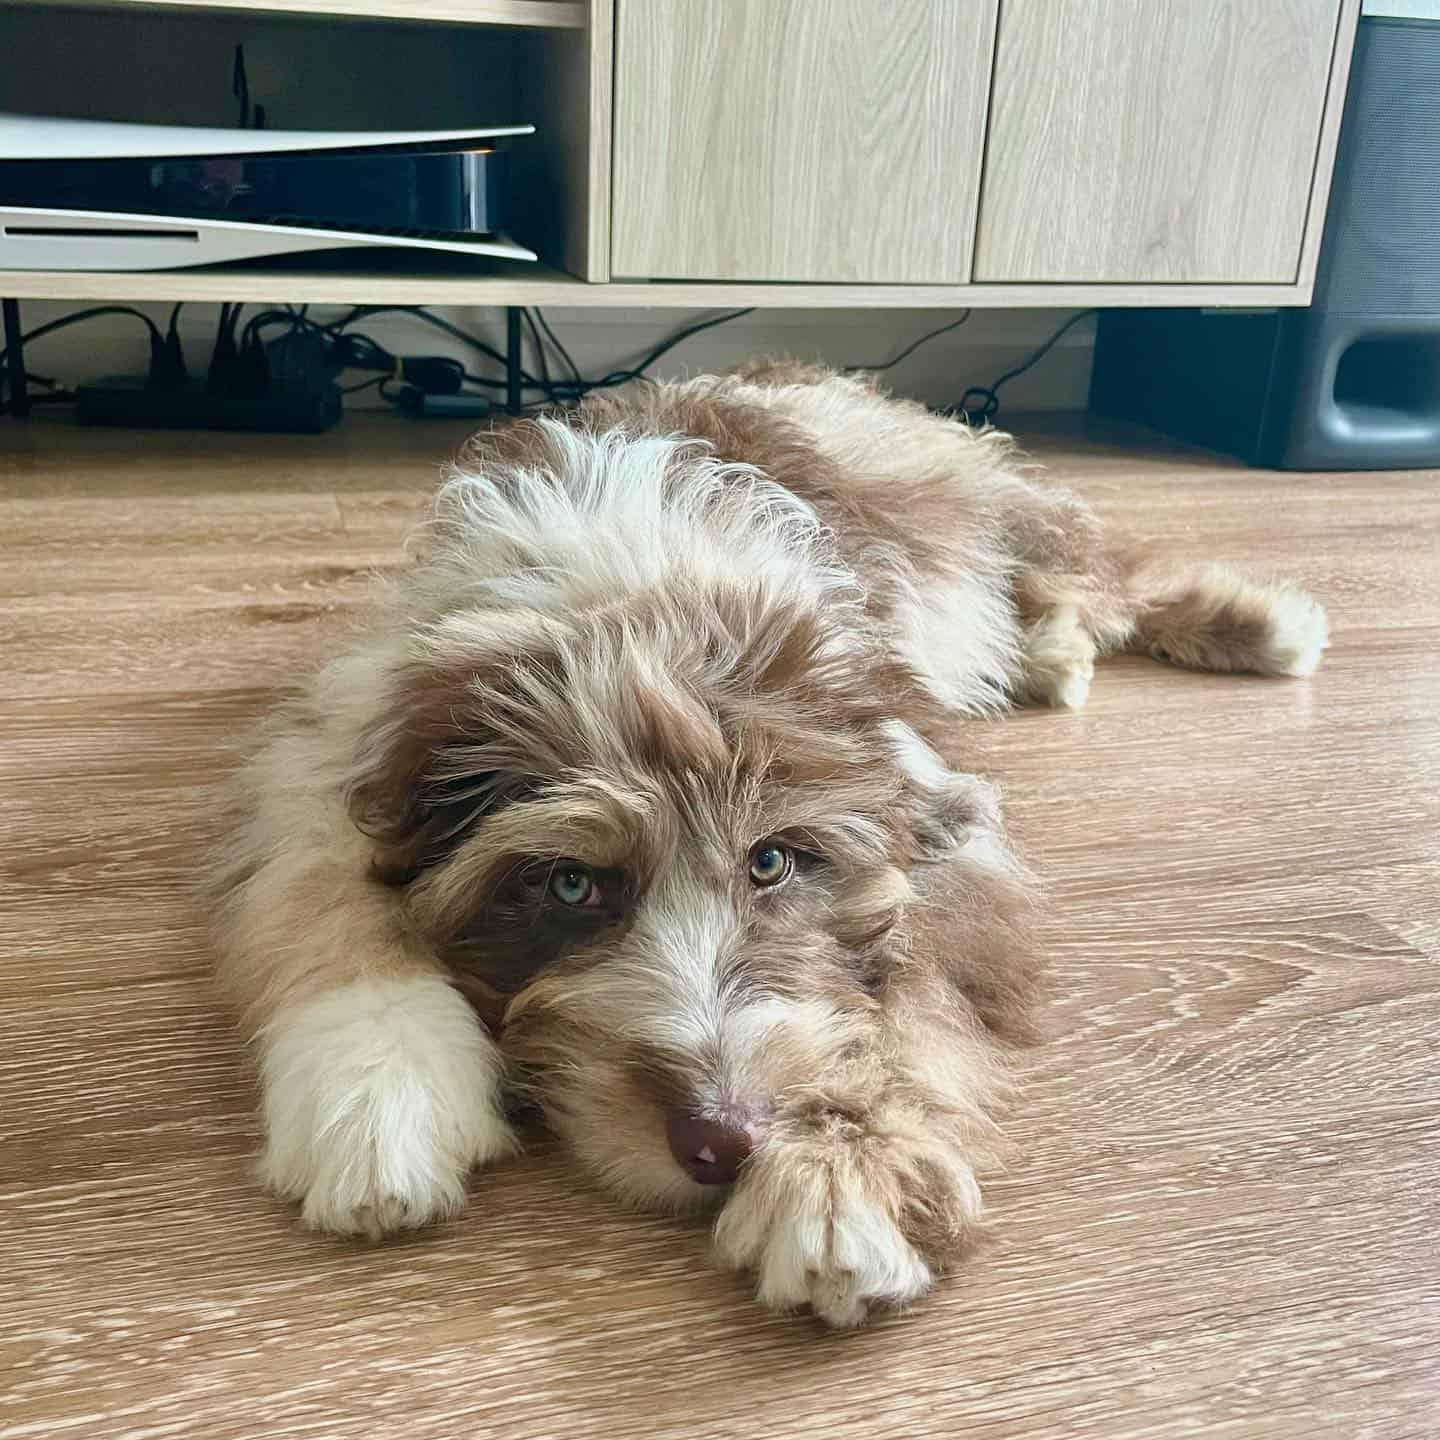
[[1226, 1217]]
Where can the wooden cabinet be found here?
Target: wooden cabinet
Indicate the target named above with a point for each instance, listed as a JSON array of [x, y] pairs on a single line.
[[806, 152], [819, 140], [1136, 141]]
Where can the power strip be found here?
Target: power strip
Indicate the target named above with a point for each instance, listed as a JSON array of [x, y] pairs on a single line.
[[283, 406]]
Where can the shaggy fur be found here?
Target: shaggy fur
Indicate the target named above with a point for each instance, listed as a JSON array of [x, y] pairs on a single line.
[[646, 639]]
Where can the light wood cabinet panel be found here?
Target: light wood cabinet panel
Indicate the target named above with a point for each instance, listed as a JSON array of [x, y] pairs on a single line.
[[1153, 140], [819, 140], [563, 204], [536, 14]]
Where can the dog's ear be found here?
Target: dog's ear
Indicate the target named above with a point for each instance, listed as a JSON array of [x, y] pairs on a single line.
[[945, 807], [442, 749], [409, 788]]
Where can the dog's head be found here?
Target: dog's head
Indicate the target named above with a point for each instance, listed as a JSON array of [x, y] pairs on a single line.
[[656, 809]]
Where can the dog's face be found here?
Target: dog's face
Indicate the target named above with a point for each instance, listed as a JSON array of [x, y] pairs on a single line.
[[666, 847]]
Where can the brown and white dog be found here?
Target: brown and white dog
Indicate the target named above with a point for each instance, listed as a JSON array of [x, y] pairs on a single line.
[[623, 804]]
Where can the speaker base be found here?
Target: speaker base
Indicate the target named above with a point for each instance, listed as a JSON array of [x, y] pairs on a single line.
[[1288, 389]]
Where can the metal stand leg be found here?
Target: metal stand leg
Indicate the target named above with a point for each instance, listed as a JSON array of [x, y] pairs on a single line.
[[514, 395], [15, 361]]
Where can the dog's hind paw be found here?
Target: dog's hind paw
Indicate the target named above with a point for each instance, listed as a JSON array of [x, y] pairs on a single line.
[[1059, 660], [817, 1238]]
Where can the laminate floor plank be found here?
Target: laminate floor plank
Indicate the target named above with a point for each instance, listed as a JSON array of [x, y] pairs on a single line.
[[1221, 1215]]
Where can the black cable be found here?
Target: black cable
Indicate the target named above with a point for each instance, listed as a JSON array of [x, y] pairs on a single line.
[[366, 384], [540, 355], [240, 86], [222, 353], [911, 348], [53, 392], [75, 317], [989, 394], [369, 312], [561, 392], [565, 355], [263, 318], [157, 340], [564, 392], [239, 351], [237, 360], [295, 321], [355, 350], [434, 374], [556, 391], [171, 371], [619, 377]]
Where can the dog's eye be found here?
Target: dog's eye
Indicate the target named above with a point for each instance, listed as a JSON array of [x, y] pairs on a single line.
[[572, 884], [770, 864]]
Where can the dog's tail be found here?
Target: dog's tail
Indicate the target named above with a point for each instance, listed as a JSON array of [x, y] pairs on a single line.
[[1209, 617]]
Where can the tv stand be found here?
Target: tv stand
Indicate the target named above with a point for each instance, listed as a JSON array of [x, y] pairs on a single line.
[[670, 171]]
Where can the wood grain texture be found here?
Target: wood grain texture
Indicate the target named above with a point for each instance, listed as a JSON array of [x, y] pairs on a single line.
[[820, 140], [517, 284], [1133, 141], [1329, 139], [1222, 1218], [536, 14], [566, 81]]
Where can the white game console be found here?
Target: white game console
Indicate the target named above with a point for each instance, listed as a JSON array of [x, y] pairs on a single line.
[[90, 195]]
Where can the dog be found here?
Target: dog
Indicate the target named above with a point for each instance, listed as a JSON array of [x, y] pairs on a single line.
[[627, 804]]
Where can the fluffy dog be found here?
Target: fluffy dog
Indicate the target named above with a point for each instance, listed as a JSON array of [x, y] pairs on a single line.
[[625, 803]]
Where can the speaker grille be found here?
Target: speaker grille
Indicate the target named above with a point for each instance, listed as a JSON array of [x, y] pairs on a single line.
[[1381, 254]]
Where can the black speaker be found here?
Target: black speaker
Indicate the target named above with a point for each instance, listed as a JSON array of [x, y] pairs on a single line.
[[1352, 382]]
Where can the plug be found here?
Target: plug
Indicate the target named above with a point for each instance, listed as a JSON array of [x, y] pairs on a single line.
[[434, 374], [302, 357], [222, 362], [167, 364]]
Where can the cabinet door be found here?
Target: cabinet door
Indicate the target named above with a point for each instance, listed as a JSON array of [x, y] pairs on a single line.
[[822, 140], [1153, 140]]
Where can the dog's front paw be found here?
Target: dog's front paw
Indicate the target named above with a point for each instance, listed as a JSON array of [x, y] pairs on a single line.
[[379, 1097], [820, 1232]]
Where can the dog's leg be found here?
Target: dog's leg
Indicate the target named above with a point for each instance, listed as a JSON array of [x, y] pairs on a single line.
[[865, 1184], [1203, 617], [1058, 658], [863, 1191], [381, 1089], [1069, 621], [1209, 617]]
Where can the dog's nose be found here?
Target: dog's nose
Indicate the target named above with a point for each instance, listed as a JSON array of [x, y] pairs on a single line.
[[710, 1151]]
